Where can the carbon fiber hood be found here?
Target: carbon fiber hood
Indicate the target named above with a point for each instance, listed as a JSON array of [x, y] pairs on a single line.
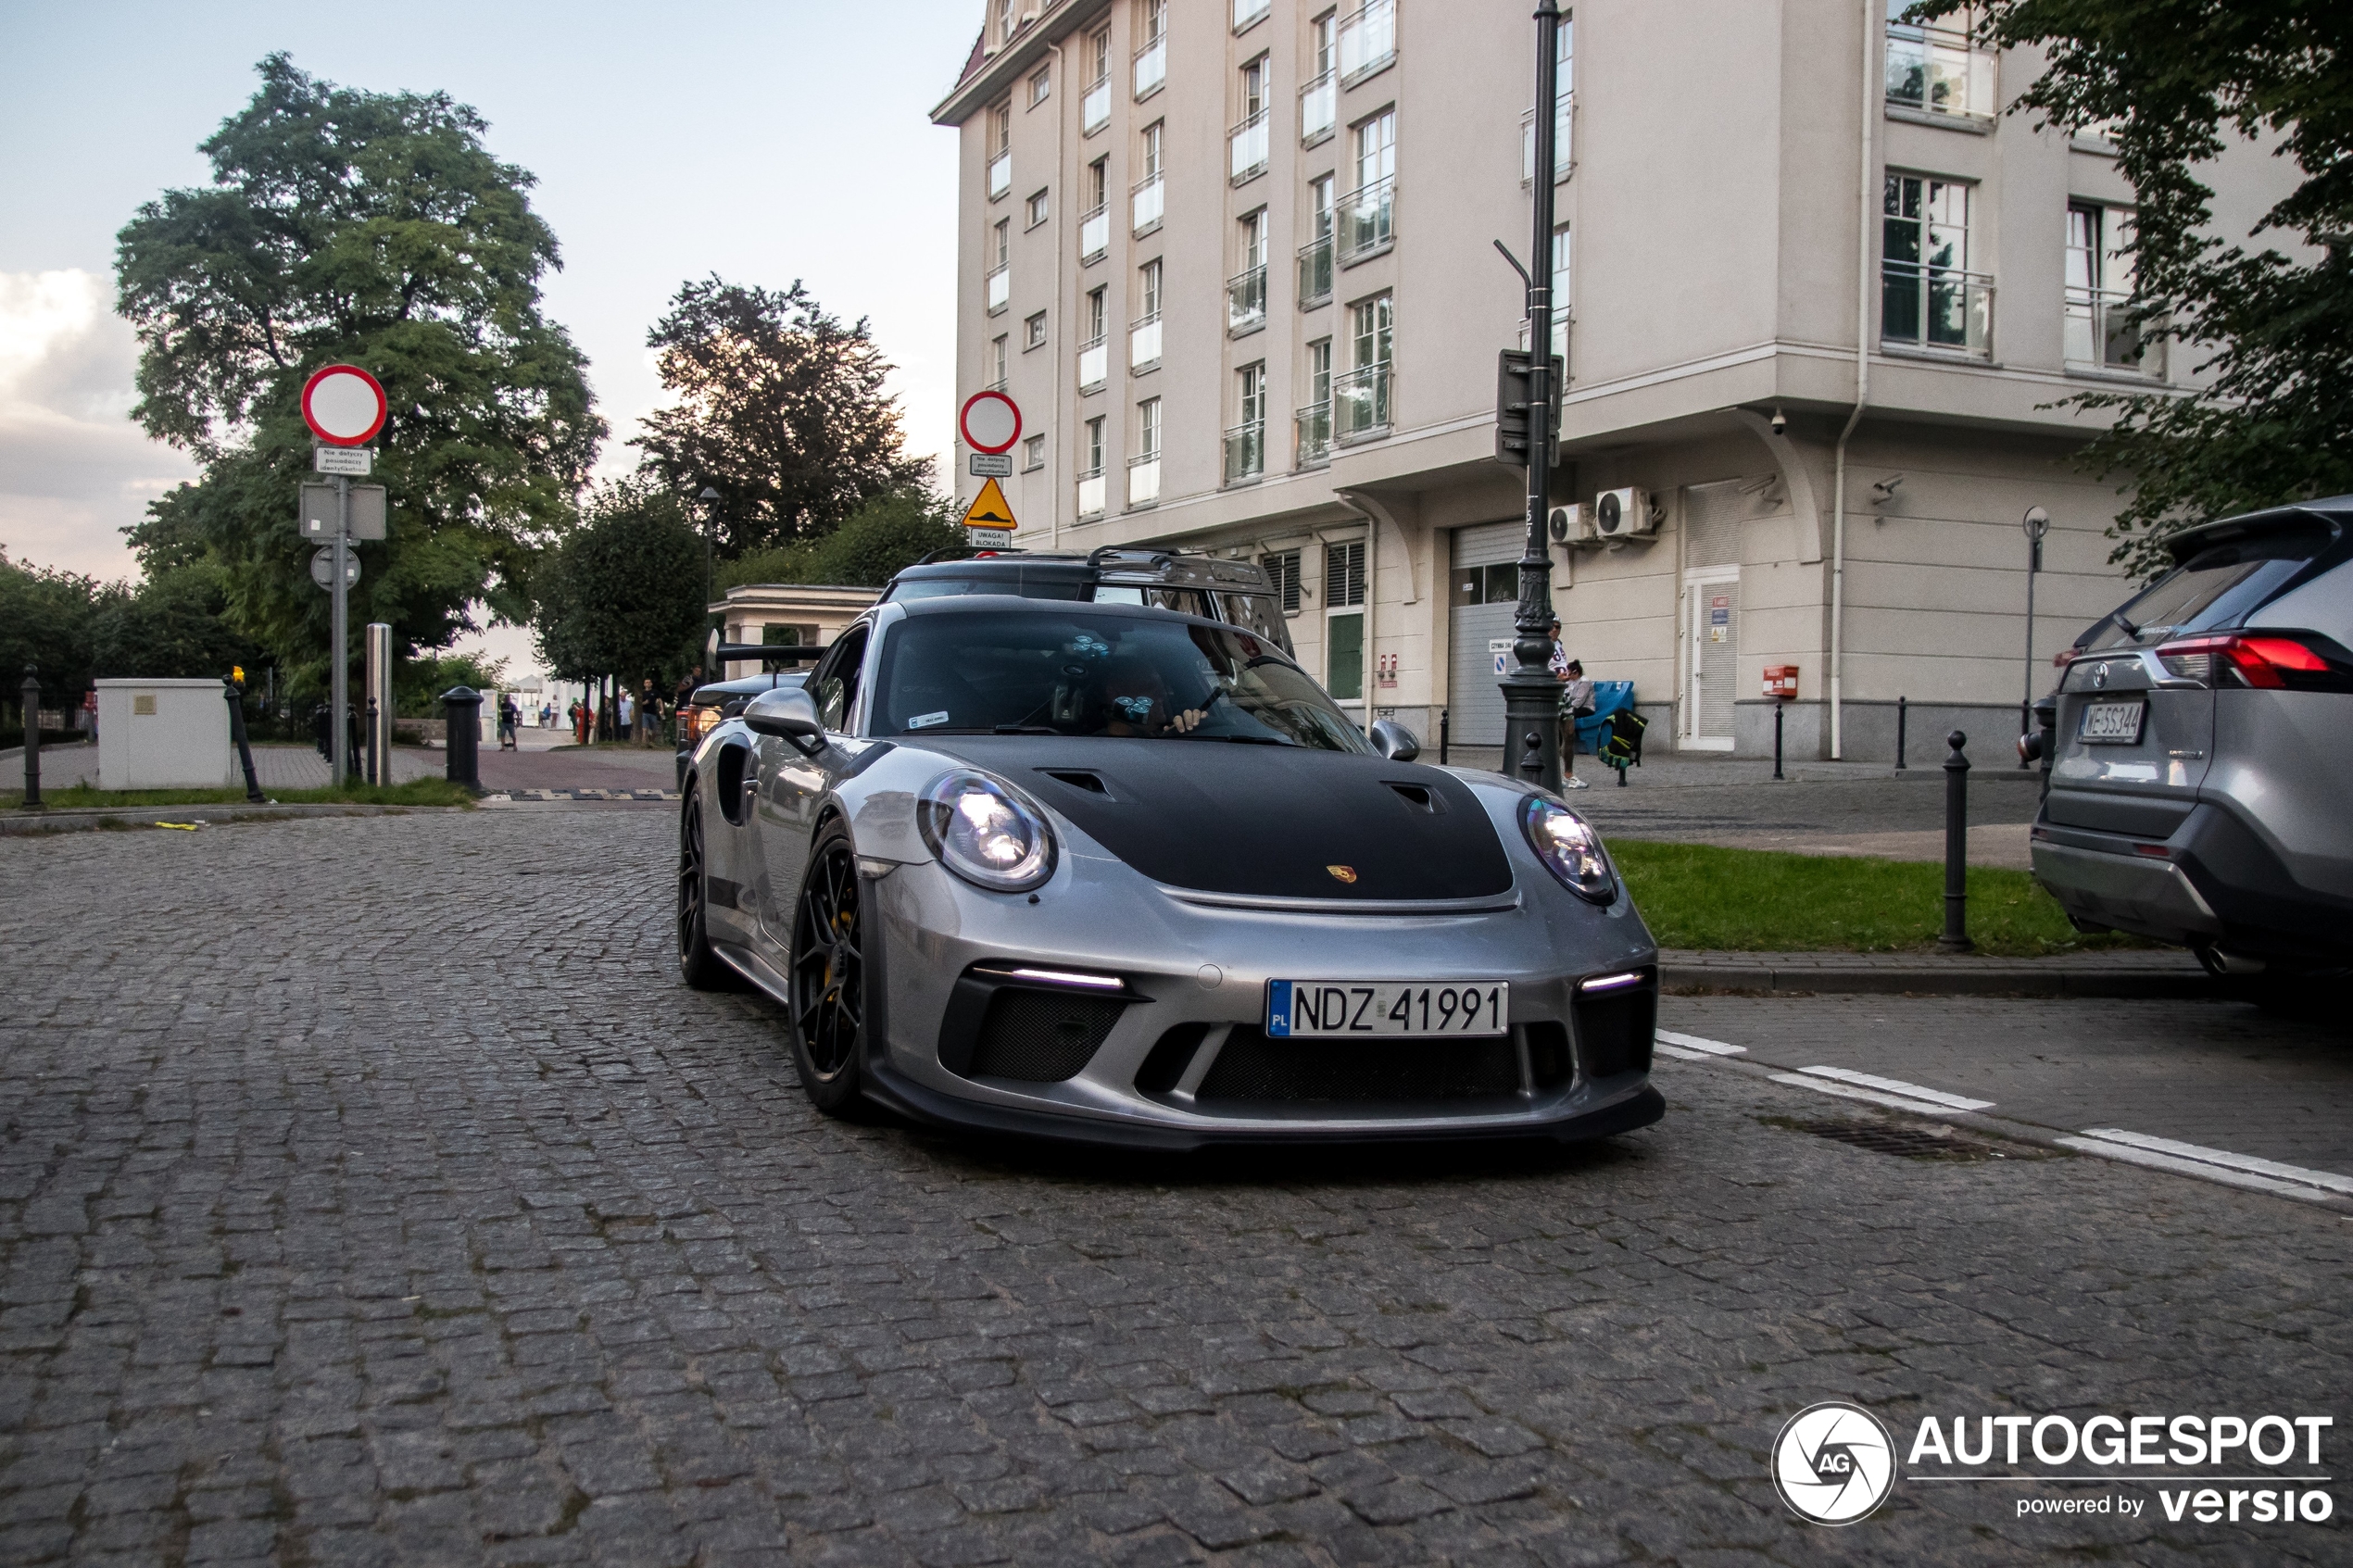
[[1272, 822]]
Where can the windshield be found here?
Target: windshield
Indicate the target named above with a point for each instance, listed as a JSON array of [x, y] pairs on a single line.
[[1042, 672], [1022, 585], [2217, 587]]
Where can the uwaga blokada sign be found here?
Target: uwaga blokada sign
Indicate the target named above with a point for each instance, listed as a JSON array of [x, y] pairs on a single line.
[[1834, 1464]]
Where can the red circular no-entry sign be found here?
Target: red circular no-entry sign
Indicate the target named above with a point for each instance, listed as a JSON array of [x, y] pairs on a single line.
[[989, 423], [343, 404]]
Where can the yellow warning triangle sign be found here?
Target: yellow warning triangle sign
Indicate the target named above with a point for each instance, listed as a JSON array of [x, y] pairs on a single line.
[[989, 510]]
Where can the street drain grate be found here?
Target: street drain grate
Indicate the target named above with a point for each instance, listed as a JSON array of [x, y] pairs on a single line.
[[1912, 1142]]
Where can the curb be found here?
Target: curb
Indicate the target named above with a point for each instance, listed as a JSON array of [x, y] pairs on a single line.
[[1690, 978], [23, 825]]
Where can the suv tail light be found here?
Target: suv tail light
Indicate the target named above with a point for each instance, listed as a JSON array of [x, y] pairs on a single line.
[[2272, 662]]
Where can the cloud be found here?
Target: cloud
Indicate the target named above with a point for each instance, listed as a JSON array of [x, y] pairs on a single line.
[[74, 471]]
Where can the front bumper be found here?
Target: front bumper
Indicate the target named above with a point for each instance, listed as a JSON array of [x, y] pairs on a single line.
[[1194, 972]]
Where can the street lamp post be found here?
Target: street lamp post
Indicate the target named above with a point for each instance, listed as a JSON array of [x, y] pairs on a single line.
[[1532, 697], [2037, 522], [710, 518]]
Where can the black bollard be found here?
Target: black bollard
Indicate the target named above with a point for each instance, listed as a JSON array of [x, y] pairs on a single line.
[[236, 695], [1900, 716], [1956, 938], [30, 693], [1531, 761], [461, 722], [1442, 738], [1777, 737]]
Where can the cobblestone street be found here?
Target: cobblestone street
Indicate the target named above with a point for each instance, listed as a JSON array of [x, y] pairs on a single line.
[[371, 1192]]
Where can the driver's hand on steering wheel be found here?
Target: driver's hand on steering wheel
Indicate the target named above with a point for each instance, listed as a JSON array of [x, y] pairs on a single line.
[[1189, 720]]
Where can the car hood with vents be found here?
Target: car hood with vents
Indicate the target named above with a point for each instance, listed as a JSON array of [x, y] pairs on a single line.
[[1261, 821]]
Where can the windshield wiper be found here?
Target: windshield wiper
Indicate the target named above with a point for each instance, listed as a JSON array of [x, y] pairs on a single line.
[[1234, 740], [1024, 730]]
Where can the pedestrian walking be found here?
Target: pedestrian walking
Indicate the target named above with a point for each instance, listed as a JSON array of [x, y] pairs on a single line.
[[509, 721], [1576, 702], [628, 716]]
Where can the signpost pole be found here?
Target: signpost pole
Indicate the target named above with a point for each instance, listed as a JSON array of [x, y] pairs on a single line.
[[1532, 697], [338, 647]]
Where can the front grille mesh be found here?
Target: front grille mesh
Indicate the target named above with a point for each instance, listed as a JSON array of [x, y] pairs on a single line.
[[1040, 1037], [1253, 1067]]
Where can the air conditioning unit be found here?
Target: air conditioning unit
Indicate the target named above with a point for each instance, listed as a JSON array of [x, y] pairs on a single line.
[[1624, 514], [1566, 523]]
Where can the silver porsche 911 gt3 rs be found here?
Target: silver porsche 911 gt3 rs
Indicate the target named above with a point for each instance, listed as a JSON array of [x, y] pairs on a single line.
[[1126, 876]]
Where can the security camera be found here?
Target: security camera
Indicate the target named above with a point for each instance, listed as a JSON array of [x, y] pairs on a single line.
[[1883, 490], [1780, 422]]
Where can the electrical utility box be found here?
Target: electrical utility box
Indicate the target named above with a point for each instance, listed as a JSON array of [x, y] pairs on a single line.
[[164, 734]]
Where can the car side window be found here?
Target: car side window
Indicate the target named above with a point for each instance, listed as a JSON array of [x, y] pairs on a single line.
[[836, 682]]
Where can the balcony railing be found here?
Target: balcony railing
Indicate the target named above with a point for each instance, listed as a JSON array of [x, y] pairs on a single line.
[[1090, 494], [1366, 221], [1000, 289], [1316, 273], [1151, 67], [1094, 108], [1934, 71], [1094, 364], [1318, 109], [1094, 234], [1143, 480], [1245, 452], [1001, 175], [1143, 343], [1367, 40], [1248, 11], [1146, 199], [1314, 427], [1246, 302], [1562, 120], [1936, 307], [1247, 146], [1360, 404], [2104, 331]]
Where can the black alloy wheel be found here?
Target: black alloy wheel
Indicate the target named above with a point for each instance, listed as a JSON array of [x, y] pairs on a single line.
[[829, 976], [699, 967]]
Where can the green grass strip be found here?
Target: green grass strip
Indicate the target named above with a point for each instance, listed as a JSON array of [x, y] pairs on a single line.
[[1761, 900]]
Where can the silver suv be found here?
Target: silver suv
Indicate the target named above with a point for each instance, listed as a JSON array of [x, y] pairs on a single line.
[[2200, 750]]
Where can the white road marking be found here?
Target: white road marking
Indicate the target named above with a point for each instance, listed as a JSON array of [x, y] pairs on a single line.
[[1897, 1086], [1693, 1045], [1664, 1049], [1824, 1086], [2328, 1179], [2199, 1168]]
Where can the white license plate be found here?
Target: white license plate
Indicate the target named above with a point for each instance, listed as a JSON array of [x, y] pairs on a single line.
[[2114, 722], [1324, 1007]]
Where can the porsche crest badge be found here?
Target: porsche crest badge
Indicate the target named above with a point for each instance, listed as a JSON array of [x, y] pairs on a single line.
[[1345, 874]]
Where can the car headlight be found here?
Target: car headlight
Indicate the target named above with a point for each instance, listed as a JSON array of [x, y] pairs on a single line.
[[986, 833], [1569, 848]]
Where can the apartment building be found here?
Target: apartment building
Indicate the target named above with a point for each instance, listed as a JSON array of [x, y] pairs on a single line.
[[1235, 261]]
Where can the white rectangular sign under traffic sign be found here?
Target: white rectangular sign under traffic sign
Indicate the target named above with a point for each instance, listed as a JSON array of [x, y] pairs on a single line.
[[318, 511], [344, 459], [991, 464]]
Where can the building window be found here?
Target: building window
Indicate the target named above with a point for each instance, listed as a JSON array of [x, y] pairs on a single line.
[[1000, 23], [1094, 357], [1246, 291], [1250, 13], [1319, 99], [998, 347], [1036, 207], [1094, 228], [1146, 197], [1344, 619], [1001, 150], [2102, 328], [1033, 331], [1000, 249], [1090, 469], [1368, 226], [1929, 296], [1315, 256], [1314, 420], [1033, 453], [1934, 69], [1282, 571], [1560, 296], [1143, 333], [1361, 397], [1151, 53], [1094, 105], [1041, 85], [1564, 72], [1246, 441], [1367, 40], [1246, 144], [1143, 469]]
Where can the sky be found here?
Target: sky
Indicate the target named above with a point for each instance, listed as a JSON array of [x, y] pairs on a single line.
[[763, 142]]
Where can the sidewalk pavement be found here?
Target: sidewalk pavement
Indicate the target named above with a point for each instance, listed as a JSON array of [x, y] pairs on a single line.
[[2126, 972]]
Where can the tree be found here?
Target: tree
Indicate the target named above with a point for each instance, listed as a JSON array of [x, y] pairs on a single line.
[[624, 594], [172, 626], [2168, 80], [886, 534], [781, 410], [46, 618], [374, 229]]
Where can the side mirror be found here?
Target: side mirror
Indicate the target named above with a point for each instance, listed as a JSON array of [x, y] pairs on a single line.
[[789, 714], [1395, 741]]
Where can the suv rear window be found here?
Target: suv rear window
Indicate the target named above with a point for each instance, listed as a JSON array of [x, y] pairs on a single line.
[[2219, 586], [1021, 586]]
